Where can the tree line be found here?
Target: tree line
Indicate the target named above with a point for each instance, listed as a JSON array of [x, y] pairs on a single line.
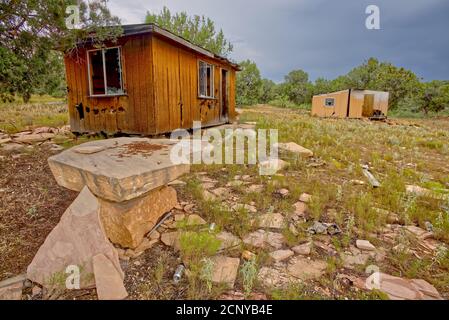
[[407, 90], [31, 30]]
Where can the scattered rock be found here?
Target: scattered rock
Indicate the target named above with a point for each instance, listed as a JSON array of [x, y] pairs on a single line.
[[274, 278], [303, 249], [271, 166], [45, 130], [391, 217], [225, 270], [237, 295], [34, 138], [207, 185], [171, 239], [195, 220], [145, 245], [365, 245], [256, 188], [179, 217], [300, 209], [248, 255], [306, 269], [247, 207], [221, 192], [36, 290], [228, 240], [281, 255], [358, 182], [177, 183], [56, 147], [154, 235], [350, 260], [423, 192], [418, 232], [283, 192], [402, 289], [305, 197], [295, 148], [189, 208], [208, 196], [293, 229], [271, 220], [5, 140], [13, 147], [108, 280], [235, 183], [263, 239], [11, 289], [74, 241]]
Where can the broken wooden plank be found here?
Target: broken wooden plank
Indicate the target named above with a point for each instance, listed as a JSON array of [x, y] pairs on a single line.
[[372, 180]]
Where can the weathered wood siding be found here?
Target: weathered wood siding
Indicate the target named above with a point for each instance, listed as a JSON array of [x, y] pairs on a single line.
[[130, 113], [339, 109], [177, 103], [160, 80]]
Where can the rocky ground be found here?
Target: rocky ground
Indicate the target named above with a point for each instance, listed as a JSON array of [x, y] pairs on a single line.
[[316, 230]]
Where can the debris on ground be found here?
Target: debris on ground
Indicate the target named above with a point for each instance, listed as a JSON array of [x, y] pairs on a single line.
[[372, 180], [324, 228]]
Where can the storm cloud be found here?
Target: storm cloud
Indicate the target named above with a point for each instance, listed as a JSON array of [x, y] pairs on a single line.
[[326, 38]]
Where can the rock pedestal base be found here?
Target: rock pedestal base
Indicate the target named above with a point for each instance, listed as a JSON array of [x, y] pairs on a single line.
[[126, 223]]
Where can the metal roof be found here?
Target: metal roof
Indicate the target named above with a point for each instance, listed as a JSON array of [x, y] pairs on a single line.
[[136, 29]]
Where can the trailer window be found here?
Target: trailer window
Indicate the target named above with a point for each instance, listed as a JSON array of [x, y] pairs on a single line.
[[105, 72], [329, 102], [205, 80]]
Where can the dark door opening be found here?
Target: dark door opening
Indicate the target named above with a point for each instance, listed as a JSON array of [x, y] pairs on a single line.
[[224, 95]]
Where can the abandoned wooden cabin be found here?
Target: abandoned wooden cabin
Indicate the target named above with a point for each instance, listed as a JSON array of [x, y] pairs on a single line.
[[149, 82], [352, 103]]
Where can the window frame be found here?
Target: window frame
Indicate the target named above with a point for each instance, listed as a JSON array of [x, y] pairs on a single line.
[[91, 94], [212, 77], [329, 106]]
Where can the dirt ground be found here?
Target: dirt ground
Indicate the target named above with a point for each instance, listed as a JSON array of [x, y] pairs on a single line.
[[31, 205]]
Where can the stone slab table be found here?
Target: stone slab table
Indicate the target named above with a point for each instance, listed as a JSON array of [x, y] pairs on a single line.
[[129, 177]]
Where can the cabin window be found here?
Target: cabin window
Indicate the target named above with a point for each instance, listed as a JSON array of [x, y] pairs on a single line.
[[205, 80], [329, 102], [105, 72]]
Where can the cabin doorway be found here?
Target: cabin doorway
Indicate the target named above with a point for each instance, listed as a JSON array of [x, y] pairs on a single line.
[[368, 105], [224, 103]]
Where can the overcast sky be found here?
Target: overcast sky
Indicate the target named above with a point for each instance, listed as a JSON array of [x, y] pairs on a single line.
[[326, 38]]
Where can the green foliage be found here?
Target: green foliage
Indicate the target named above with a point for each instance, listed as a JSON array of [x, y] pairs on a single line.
[[249, 84], [408, 95], [268, 91], [297, 87], [197, 245], [249, 275], [31, 29], [199, 30]]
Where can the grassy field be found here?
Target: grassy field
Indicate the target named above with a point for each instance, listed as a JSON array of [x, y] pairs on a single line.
[[40, 111], [400, 152]]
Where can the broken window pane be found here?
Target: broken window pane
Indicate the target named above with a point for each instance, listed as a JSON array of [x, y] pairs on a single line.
[[109, 81], [113, 71], [329, 102], [205, 82], [97, 72]]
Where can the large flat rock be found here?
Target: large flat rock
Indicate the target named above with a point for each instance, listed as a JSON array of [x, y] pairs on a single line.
[[117, 169], [75, 240]]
